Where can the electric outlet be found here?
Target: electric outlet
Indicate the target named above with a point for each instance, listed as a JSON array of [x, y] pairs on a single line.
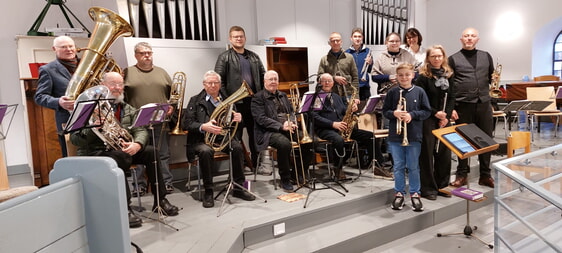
[[278, 229]]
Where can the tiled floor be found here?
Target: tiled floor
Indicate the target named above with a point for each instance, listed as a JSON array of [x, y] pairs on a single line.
[[200, 228]]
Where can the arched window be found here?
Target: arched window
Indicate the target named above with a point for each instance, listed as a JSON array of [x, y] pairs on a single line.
[[557, 59]]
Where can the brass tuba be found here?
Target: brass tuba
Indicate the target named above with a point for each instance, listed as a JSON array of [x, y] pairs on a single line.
[[495, 91], [176, 97], [111, 132], [109, 26], [223, 114]]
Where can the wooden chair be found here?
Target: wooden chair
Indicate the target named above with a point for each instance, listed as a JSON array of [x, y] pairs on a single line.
[[518, 140], [546, 78], [543, 94]]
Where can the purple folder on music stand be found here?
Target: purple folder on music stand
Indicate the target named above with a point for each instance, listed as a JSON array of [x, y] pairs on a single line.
[[3, 109], [80, 117], [152, 113], [307, 105], [372, 103]]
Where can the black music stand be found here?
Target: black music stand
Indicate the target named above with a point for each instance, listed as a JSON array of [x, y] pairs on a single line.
[[148, 115], [371, 108], [230, 186], [308, 106], [7, 111], [463, 153]]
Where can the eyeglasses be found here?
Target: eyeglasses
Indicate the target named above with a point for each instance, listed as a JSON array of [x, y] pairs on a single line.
[[273, 79], [327, 81], [436, 56], [65, 47], [144, 53], [393, 41], [335, 41], [212, 83]]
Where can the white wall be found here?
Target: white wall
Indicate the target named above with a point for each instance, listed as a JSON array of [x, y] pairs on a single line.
[[303, 23], [514, 50]]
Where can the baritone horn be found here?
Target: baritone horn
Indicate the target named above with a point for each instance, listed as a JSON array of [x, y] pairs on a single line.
[[223, 115], [109, 27], [177, 94], [402, 126], [295, 99], [495, 91]]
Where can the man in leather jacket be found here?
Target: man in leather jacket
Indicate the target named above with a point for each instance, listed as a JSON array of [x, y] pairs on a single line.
[[236, 65]]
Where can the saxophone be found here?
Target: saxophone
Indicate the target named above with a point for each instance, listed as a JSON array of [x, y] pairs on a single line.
[[350, 118], [495, 91]]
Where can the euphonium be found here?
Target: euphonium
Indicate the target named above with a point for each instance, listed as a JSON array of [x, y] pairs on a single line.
[[222, 115], [109, 26], [495, 91], [295, 100], [176, 97], [111, 132], [350, 118]]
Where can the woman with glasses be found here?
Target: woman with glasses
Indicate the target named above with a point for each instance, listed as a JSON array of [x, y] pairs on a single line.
[[412, 44], [384, 68], [436, 78]]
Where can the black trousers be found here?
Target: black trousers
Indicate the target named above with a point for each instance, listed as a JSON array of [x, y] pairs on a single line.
[[435, 167], [207, 162], [481, 115], [282, 143], [144, 156], [363, 138], [247, 122]]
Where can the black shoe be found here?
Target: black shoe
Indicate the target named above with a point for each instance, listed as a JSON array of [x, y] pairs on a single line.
[[430, 196], [444, 194], [286, 186], [208, 200], [241, 194], [134, 221], [417, 205], [167, 208], [169, 188], [140, 190], [398, 202]]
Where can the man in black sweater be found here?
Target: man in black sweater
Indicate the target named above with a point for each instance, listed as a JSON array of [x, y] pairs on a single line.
[[473, 72]]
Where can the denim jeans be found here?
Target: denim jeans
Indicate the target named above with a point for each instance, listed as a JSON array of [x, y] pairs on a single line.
[[406, 157]]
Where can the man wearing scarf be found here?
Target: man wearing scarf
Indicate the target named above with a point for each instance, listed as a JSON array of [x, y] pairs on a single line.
[[53, 80]]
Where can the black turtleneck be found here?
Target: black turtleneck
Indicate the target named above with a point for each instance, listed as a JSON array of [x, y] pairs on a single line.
[[470, 56]]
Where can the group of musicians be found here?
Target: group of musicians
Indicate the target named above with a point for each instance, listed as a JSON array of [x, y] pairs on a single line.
[[268, 115]]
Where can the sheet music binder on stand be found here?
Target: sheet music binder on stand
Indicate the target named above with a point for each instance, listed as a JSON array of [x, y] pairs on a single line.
[[464, 154], [370, 108], [5, 112], [148, 115], [80, 116], [313, 101]]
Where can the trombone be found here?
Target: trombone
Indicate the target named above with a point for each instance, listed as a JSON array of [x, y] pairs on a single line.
[[293, 121]]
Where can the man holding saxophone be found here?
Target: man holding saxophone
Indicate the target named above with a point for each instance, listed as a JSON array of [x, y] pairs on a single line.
[[276, 126], [328, 124], [136, 151], [198, 122]]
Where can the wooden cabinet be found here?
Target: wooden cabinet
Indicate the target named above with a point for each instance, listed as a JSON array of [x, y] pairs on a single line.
[[45, 148], [291, 63]]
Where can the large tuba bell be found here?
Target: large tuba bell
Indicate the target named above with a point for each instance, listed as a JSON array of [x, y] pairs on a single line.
[[176, 97], [223, 115], [109, 26]]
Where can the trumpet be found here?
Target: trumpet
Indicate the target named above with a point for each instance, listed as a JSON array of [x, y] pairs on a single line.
[[402, 126]]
